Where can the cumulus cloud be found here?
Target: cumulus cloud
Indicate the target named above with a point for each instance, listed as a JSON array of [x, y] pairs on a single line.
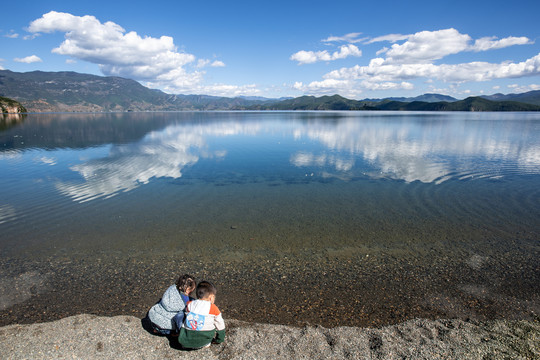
[[155, 61], [414, 57], [379, 70], [309, 57], [109, 46], [427, 46], [29, 59]]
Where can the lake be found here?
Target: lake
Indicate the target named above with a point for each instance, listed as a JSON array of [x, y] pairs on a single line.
[[331, 218]]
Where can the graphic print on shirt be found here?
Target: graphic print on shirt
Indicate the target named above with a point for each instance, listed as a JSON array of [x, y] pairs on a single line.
[[195, 321]]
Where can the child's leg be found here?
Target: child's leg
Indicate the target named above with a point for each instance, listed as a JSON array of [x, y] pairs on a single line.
[[178, 320], [160, 331]]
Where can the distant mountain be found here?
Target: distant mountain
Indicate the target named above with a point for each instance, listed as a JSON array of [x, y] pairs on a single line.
[[469, 104], [335, 102], [424, 98], [70, 91], [264, 99], [40, 91], [531, 97]]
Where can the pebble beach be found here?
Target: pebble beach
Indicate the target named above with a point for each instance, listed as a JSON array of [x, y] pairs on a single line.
[[97, 337]]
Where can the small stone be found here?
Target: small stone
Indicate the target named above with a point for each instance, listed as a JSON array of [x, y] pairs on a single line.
[[234, 227]]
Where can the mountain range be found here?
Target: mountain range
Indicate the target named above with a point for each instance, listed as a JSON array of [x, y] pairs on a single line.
[[40, 91]]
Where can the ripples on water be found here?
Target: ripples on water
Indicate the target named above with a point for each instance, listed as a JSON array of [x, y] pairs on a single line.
[[315, 183]]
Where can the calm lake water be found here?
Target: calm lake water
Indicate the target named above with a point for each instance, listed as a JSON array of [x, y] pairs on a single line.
[[336, 218]]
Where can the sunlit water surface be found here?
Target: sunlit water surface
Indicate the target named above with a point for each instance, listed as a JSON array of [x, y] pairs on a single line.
[[353, 196]]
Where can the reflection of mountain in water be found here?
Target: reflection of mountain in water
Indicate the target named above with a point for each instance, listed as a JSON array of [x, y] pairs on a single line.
[[10, 120]]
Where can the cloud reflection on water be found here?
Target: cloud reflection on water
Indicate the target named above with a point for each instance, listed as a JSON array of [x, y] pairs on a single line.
[[159, 154], [430, 152], [403, 148]]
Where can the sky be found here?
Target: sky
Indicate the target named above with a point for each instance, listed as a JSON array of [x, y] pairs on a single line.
[[358, 49]]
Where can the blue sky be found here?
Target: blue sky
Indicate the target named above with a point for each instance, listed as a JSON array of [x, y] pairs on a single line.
[[358, 49]]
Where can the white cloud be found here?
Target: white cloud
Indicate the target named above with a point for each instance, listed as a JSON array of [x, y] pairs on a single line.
[[390, 38], [217, 63], [350, 38], [523, 88], [156, 61], [491, 43], [427, 46], [415, 59], [404, 85], [29, 59], [309, 57], [117, 52], [379, 70], [31, 37], [12, 34], [71, 61], [230, 90], [202, 63], [329, 87]]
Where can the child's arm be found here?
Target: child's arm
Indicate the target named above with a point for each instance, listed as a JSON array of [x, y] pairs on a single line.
[[219, 323]]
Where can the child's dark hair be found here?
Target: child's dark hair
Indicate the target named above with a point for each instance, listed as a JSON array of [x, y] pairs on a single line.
[[184, 282], [205, 289]]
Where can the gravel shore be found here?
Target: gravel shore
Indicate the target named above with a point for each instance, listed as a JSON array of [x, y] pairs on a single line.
[[95, 337]]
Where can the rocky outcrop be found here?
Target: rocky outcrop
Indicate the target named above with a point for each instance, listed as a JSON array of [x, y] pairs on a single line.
[[10, 106]]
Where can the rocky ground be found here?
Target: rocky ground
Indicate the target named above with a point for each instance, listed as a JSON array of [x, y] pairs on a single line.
[[95, 337]]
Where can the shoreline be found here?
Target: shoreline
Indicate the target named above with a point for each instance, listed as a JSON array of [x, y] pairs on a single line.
[[355, 291], [90, 336]]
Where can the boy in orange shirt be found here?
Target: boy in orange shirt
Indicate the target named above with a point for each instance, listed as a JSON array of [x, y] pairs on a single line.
[[203, 322]]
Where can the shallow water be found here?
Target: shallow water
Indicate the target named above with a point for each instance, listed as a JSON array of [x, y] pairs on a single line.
[[292, 214]]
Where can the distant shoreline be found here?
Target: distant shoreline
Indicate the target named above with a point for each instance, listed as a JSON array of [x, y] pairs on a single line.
[[42, 91]]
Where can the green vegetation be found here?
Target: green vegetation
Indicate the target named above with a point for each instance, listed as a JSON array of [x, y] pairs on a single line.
[[469, 104], [334, 102], [73, 92], [8, 105]]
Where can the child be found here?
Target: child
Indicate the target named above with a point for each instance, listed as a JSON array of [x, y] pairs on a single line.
[[168, 314], [203, 322]]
